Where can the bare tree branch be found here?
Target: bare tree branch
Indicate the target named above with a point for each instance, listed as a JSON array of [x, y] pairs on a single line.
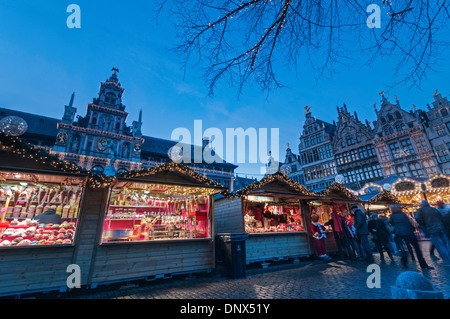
[[245, 40]]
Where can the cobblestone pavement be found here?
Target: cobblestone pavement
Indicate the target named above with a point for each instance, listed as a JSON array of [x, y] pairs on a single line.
[[338, 279]]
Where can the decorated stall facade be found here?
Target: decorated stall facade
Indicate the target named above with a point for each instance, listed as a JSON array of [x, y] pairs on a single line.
[[156, 222], [41, 199], [272, 213]]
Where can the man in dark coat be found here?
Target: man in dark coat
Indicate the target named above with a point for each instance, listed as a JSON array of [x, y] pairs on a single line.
[[380, 236], [362, 231], [404, 231], [431, 220], [48, 217]]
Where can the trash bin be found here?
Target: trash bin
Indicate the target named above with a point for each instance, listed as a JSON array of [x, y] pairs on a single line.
[[232, 248]]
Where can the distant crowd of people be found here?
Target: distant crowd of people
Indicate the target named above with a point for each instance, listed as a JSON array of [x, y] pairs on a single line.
[[390, 235]]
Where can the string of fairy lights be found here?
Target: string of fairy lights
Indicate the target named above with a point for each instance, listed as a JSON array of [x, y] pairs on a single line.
[[17, 147], [337, 187]]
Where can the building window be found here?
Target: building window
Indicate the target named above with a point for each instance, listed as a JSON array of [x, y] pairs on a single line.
[[389, 171], [368, 173], [383, 153], [444, 112], [395, 149], [388, 130], [359, 174], [440, 130], [358, 138], [371, 151], [350, 140], [377, 171], [407, 145], [416, 169], [399, 127], [362, 152], [307, 142], [429, 167], [420, 143], [401, 170], [343, 144], [442, 153]]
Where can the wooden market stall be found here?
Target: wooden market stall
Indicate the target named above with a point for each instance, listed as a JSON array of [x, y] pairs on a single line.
[[335, 195], [272, 213], [156, 222], [35, 252]]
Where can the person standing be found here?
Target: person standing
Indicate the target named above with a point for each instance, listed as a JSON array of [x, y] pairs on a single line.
[[352, 238], [362, 231], [380, 236], [337, 223], [404, 232], [431, 220], [318, 231]]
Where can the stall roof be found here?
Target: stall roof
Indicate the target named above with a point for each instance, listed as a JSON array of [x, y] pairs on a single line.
[[275, 184], [170, 174], [383, 198], [337, 192]]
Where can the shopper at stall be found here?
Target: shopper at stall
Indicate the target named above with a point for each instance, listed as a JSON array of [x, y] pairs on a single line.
[[319, 235], [352, 238], [337, 223], [380, 236], [404, 232], [48, 217], [431, 220], [363, 231]]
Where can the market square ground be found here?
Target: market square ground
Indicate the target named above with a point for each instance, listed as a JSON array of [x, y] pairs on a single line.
[[338, 279]]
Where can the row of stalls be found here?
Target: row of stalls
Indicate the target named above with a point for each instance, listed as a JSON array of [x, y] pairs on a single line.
[[147, 224], [275, 213], [141, 225]]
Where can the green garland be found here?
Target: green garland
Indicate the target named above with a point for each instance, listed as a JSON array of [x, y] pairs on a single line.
[[341, 188]]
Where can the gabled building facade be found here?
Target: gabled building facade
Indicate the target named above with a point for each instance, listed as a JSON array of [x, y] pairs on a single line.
[[438, 130], [317, 161], [401, 142], [355, 154]]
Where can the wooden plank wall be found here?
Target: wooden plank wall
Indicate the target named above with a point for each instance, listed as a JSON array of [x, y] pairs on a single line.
[[268, 246], [45, 268], [128, 261], [228, 216], [25, 269]]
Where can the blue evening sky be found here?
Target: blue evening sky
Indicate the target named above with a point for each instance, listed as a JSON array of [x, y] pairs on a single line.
[[43, 62]]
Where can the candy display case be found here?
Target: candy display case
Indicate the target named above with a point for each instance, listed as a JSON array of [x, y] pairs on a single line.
[[38, 209]]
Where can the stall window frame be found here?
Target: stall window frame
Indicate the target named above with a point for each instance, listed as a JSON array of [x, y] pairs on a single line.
[[80, 211], [159, 241]]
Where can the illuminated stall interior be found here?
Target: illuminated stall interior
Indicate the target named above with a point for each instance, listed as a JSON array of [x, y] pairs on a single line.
[[164, 203], [273, 205]]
